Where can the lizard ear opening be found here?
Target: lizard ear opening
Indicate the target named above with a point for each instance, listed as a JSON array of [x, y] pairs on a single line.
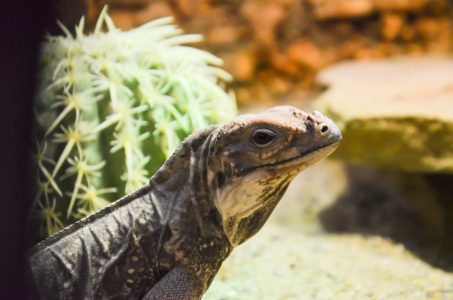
[[223, 176], [220, 179]]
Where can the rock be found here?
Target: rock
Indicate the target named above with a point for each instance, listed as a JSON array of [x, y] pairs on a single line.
[[154, 10], [188, 7], [344, 9], [334, 9], [123, 19], [415, 210], [408, 33], [128, 3], [241, 64], [392, 23], [223, 35], [438, 6], [400, 5], [397, 121], [265, 22], [395, 114], [283, 64], [306, 54], [430, 28]]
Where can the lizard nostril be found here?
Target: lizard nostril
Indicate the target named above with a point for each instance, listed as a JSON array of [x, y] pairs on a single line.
[[324, 128]]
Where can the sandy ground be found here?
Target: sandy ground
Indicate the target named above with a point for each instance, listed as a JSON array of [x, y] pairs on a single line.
[[292, 257]]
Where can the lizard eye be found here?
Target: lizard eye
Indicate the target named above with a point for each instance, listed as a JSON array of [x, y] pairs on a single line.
[[263, 137]]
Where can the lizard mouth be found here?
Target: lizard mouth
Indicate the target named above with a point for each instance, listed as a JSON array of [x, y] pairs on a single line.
[[314, 150], [310, 155], [305, 158]]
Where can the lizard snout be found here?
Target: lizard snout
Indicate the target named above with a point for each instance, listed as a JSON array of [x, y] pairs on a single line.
[[324, 128]]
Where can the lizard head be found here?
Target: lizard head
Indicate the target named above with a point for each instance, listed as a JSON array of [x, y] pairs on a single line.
[[256, 156]]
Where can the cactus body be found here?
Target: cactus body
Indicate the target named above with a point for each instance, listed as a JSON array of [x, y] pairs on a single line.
[[112, 106]]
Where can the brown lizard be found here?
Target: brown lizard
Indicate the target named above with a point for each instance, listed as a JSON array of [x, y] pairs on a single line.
[[169, 239]]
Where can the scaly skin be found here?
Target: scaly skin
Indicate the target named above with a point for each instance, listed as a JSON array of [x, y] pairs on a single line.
[[168, 240]]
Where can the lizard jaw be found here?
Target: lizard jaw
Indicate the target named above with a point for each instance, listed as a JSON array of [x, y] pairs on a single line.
[[304, 159], [310, 156], [233, 211]]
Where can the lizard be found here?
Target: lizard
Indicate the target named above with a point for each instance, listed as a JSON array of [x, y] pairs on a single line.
[[168, 239]]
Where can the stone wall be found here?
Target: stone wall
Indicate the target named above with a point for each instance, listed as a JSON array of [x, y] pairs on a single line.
[[274, 48]]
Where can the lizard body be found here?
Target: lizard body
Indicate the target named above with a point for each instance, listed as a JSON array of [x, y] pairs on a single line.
[[168, 239]]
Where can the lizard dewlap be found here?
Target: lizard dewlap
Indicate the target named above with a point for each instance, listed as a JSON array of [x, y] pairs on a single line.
[[168, 239]]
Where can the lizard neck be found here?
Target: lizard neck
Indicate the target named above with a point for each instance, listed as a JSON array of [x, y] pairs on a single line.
[[183, 186], [185, 174], [192, 220]]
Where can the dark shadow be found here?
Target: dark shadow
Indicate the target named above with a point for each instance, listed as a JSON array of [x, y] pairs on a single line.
[[22, 26], [411, 209]]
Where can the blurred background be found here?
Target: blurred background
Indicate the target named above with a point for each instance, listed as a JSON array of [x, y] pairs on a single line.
[[376, 221], [274, 49]]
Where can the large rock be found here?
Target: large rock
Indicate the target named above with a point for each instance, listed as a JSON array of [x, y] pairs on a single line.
[[395, 114]]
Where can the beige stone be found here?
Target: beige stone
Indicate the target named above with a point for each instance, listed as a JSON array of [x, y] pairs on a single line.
[[154, 10], [240, 64], [392, 23], [400, 5], [128, 3], [306, 54], [123, 19], [431, 28], [223, 35], [333, 9], [395, 114], [265, 22]]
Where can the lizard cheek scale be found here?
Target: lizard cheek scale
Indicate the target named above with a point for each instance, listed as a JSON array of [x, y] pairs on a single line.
[[168, 239]]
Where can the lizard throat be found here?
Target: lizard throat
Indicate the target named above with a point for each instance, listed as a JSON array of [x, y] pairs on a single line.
[[259, 189]]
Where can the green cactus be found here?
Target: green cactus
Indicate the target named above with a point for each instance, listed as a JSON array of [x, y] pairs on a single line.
[[112, 106]]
